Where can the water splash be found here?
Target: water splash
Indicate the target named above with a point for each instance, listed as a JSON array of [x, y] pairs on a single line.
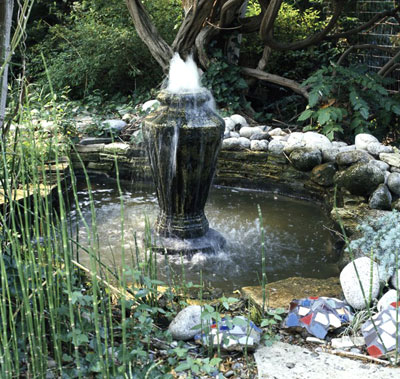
[[183, 76]]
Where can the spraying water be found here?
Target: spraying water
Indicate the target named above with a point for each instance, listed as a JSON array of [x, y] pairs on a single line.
[[183, 76]]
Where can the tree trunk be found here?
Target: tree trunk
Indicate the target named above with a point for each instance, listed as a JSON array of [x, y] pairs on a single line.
[[6, 10]]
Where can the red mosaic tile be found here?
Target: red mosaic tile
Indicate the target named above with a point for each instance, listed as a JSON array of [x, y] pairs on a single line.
[[307, 319], [374, 351]]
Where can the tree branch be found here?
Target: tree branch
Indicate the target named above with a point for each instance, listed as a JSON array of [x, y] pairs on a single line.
[[148, 33], [191, 27], [388, 66], [267, 27], [376, 19], [229, 12], [360, 47], [284, 82]]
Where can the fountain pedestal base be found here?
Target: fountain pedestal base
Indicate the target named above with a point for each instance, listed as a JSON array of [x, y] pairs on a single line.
[[211, 242]]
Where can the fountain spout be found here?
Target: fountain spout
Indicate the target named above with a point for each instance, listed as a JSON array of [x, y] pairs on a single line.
[[183, 138]]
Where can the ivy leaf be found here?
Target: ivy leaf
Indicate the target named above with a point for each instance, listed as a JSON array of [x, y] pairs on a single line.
[[305, 115], [324, 116], [313, 98], [364, 113], [396, 109]]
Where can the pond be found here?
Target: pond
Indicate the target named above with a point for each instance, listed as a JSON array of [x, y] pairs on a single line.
[[298, 241]]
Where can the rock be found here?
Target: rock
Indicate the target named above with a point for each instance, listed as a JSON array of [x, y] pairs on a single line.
[[360, 179], [347, 158], [329, 155], [276, 147], [235, 135], [305, 159], [282, 292], [347, 148], [114, 126], [315, 340], [95, 140], [381, 165], [248, 131], [280, 138], [260, 136], [393, 182], [323, 174], [265, 128], [150, 106], [181, 327], [394, 169], [118, 148], [375, 148], [387, 299], [352, 287], [93, 148], [347, 342], [48, 126], [386, 173], [381, 198], [259, 145], [234, 143], [396, 205], [128, 117], [294, 141], [315, 140], [277, 132], [227, 134], [395, 278], [239, 120], [392, 159], [229, 124], [362, 141], [337, 144]]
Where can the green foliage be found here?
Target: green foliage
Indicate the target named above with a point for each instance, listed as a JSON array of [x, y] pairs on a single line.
[[381, 238], [95, 46], [225, 82], [348, 101], [292, 24]]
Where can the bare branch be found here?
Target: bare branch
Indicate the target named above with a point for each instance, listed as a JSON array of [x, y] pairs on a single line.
[[202, 41], [267, 27], [191, 27], [361, 47], [284, 82], [229, 12], [388, 66], [148, 33], [374, 20]]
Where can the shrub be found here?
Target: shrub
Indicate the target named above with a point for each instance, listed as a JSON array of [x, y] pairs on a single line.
[[381, 237], [96, 47], [348, 101]]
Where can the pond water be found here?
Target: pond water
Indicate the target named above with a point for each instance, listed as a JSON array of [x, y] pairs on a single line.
[[297, 240]]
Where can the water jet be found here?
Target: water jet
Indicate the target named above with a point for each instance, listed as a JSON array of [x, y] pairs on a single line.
[[183, 138]]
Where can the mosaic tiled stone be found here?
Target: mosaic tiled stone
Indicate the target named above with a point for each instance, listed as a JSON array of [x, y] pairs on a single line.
[[318, 314], [382, 333], [232, 336]]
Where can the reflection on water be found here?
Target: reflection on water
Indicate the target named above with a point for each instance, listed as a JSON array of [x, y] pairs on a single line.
[[297, 244]]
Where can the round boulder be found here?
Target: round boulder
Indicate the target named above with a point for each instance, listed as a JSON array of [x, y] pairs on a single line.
[[248, 131], [181, 327], [239, 120], [381, 165], [229, 124], [393, 182], [323, 174], [360, 179], [363, 140], [150, 106], [259, 145], [276, 147], [347, 158], [329, 155], [305, 159], [396, 205], [387, 299], [381, 198], [234, 143], [315, 140], [375, 148], [260, 136], [352, 286], [295, 141]]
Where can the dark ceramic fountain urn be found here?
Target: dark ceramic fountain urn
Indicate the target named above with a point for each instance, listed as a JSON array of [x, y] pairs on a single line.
[[183, 138]]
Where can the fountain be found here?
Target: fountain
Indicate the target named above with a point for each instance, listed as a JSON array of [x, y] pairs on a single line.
[[183, 137]]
